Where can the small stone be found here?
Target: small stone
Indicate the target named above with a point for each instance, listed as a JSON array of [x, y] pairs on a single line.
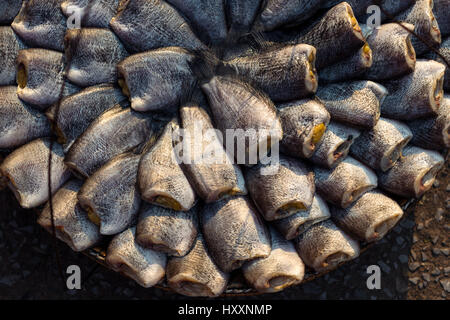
[[426, 277], [403, 258], [414, 280], [436, 272], [443, 294], [415, 238], [439, 214], [427, 223], [447, 270], [436, 251], [424, 257], [447, 226], [413, 255], [421, 285], [448, 188], [436, 184], [435, 239], [445, 251], [445, 283], [420, 226]]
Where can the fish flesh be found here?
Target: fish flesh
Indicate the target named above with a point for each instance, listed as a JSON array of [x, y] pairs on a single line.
[[393, 52], [415, 95], [370, 217], [166, 230], [19, 122], [71, 222], [41, 24], [40, 77], [161, 179], [441, 9], [304, 123], [116, 131], [324, 246], [157, 80], [196, 274], [9, 10], [110, 196], [281, 269], [92, 13], [125, 255], [94, 55], [26, 170], [346, 183], [285, 192], [211, 171], [381, 147], [10, 44], [413, 174], [335, 145], [355, 103], [241, 14], [234, 233], [144, 25], [293, 226]]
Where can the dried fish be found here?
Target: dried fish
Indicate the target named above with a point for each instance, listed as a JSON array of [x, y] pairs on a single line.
[[92, 13], [10, 44], [241, 14], [441, 9], [9, 10]]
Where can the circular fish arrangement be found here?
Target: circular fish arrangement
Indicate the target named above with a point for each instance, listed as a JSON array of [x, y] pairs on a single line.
[[198, 139]]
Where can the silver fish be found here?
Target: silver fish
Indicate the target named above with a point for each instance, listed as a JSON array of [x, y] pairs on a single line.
[[9, 10], [10, 44], [92, 13]]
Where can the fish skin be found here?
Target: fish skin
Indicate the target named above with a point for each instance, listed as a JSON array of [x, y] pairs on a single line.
[[166, 230], [110, 195], [144, 25], [234, 105], [161, 179], [299, 120], [370, 217], [434, 132], [72, 225], [234, 232], [346, 183], [78, 111], [242, 14], [10, 44], [281, 269], [196, 274], [158, 80], [416, 95], [394, 7], [335, 145], [125, 255], [393, 52], [94, 54], [116, 131], [292, 185], [9, 10], [441, 9], [44, 71], [444, 51], [381, 147], [211, 181], [41, 24], [93, 13], [26, 169], [420, 14], [19, 123], [293, 226], [355, 103], [284, 74], [406, 178], [325, 241]]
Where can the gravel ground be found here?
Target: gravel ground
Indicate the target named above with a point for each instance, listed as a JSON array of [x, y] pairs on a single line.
[[413, 259]]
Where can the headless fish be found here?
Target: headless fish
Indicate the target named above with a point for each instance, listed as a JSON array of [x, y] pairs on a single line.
[[116, 131], [370, 217], [19, 123], [94, 56], [355, 103], [415, 95], [196, 274], [335, 145], [444, 58], [40, 77], [166, 230], [26, 170], [92, 13], [9, 10], [414, 174], [161, 179], [293, 226], [150, 24], [78, 111], [10, 44], [304, 123], [281, 269], [441, 9], [110, 196], [324, 246], [71, 222], [393, 52], [241, 14], [284, 74], [125, 255], [346, 183], [41, 24], [212, 176], [289, 190], [157, 80], [381, 147], [234, 233]]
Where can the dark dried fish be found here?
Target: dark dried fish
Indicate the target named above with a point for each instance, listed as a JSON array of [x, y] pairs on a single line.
[[241, 14], [441, 9], [92, 13], [10, 44], [9, 10], [443, 58]]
